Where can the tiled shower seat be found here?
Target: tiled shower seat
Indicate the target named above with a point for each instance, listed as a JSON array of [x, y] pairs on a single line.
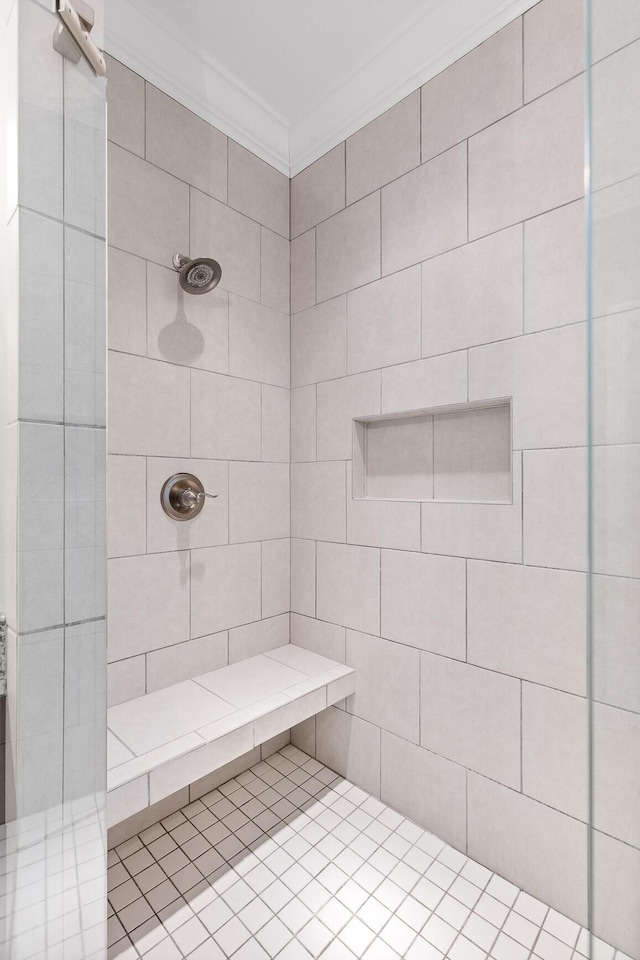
[[164, 741]]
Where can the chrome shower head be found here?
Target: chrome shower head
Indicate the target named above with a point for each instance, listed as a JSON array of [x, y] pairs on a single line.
[[199, 275]]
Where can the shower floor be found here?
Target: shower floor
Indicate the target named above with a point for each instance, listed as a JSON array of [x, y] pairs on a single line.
[[290, 861]]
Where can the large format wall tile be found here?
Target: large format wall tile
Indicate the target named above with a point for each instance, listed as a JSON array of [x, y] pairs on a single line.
[[127, 303], [234, 240], [616, 666], [425, 383], [553, 45], [148, 209], [126, 506], [209, 529], [303, 271], [303, 423], [379, 523], [474, 92], [348, 248], [185, 145], [319, 342], [616, 130], [474, 294], [303, 577], [348, 586], [182, 661], [318, 500], [338, 403], [258, 190], [319, 637], [616, 881], [471, 716], [384, 149], [555, 264], [528, 622], [383, 322], [426, 788], [275, 271], [125, 99], [225, 587], [148, 603], [226, 416], [258, 342], [276, 428], [531, 161], [387, 691], [555, 508], [350, 746], [258, 501], [616, 776], [425, 212], [519, 838], [154, 420], [423, 601], [276, 579], [318, 191]]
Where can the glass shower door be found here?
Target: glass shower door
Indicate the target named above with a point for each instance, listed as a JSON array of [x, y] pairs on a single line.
[[52, 442], [613, 166]]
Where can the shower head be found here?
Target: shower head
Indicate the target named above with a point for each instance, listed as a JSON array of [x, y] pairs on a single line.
[[199, 275]]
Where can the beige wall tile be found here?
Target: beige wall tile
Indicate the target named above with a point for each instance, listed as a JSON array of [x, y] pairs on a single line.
[[258, 342], [482, 710], [553, 45], [234, 240], [616, 130], [318, 191], [616, 654], [126, 506], [154, 420], [531, 161], [275, 271], [276, 563], [425, 787], [126, 679], [258, 190], [555, 508], [225, 417], [384, 149], [193, 331], [472, 455], [258, 501], [127, 293], [546, 375], [616, 284], [303, 423], [186, 146], [423, 601], [528, 622], [183, 661], [125, 99], [255, 638], [225, 587], [348, 248], [424, 213], [399, 459], [474, 92], [518, 838], [555, 266], [319, 342], [146, 594], [616, 401], [326, 639], [303, 271], [349, 746], [383, 524], [148, 209], [425, 383], [616, 887], [474, 294], [383, 322], [303, 577], [348, 586], [338, 402], [615, 772], [275, 423], [485, 531], [615, 23], [555, 750], [387, 684], [209, 529], [318, 500]]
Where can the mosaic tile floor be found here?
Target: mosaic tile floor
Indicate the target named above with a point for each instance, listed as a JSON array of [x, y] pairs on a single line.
[[290, 861]]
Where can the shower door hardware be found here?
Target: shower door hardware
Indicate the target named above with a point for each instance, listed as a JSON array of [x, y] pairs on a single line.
[[183, 496], [3, 653], [79, 21]]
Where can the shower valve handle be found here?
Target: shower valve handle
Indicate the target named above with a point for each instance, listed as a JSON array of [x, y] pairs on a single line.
[[183, 496], [189, 498]]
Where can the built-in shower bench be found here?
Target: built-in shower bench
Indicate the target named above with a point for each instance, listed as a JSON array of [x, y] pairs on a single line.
[[160, 743]]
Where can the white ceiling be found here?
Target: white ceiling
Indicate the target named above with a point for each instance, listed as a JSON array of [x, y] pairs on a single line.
[[291, 78]]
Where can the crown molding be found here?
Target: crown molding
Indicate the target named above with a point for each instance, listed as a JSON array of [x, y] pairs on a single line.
[[445, 31]]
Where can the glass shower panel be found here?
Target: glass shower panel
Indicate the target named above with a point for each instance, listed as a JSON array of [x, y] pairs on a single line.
[[613, 155], [52, 478]]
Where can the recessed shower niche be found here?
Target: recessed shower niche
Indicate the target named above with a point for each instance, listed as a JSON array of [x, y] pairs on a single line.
[[460, 452]]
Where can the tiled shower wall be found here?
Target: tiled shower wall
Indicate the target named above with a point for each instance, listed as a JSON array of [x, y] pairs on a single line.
[[197, 384], [438, 257]]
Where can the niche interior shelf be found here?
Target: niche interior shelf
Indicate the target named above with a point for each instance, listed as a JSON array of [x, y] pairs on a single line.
[[455, 453], [163, 741]]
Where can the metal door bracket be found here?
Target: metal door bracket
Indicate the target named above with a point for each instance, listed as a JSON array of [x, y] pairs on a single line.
[[3, 654], [73, 39]]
